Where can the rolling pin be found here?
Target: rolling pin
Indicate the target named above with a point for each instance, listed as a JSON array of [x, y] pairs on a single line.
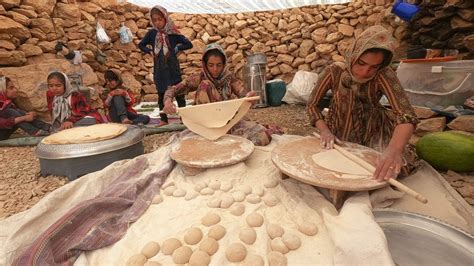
[[371, 169]]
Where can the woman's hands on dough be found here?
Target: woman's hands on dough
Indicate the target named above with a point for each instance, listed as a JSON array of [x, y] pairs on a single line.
[[388, 165], [328, 139], [169, 107]]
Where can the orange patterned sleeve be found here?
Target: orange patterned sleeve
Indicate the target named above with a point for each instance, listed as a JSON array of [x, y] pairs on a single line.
[[322, 86]]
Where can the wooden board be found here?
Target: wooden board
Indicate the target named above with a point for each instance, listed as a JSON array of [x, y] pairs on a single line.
[[198, 152], [294, 158]]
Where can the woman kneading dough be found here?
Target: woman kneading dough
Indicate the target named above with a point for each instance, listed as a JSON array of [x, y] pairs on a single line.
[[355, 113], [216, 83]]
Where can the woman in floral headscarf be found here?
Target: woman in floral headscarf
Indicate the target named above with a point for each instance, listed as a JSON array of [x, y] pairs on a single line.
[[215, 83], [68, 106], [165, 41], [12, 117], [355, 113]]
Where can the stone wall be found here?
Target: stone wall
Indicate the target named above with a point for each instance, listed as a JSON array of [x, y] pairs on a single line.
[[306, 38]]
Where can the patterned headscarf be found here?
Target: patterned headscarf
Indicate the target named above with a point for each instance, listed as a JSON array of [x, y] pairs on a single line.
[[161, 40], [4, 101], [61, 106], [222, 82], [373, 37]]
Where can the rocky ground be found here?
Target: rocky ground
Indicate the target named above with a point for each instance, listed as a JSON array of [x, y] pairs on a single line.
[[21, 185]]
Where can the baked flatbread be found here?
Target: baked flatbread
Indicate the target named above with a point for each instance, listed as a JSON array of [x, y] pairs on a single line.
[[86, 134]]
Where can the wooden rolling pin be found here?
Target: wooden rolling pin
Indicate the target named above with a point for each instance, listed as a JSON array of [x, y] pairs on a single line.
[[371, 169], [252, 98]]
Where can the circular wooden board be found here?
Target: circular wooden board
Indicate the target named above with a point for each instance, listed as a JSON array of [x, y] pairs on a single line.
[[294, 158], [199, 152]]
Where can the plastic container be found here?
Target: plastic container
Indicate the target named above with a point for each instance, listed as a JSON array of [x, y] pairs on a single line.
[[275, 90], [404, 10], [437, 84]]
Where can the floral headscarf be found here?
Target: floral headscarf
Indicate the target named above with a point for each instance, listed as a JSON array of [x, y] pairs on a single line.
[[221, 83], [161, 40], [373, 37], [61, 107]]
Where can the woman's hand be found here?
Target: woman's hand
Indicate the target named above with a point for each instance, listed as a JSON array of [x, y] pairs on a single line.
[[169, 107], [388, 165], [66, 125], [251, 94], [328, 139]]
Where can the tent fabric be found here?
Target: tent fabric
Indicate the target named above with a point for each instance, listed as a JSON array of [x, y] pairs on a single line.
[[230, 6]]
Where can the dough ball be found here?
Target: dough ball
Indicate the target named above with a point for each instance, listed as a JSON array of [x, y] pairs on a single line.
[[236, 252], [199, 258], [151, 249], [308, 228], [226, 187], [270, 200], [275, 258], [227, 201], [214, 202], [210, 219], [217, 232], [254, 260], [170, 245], [207, 191], [239, 196], [157, 199], [248, 235], [193, 236], [169, 190], [170, 184], [191, 195], [182, 254], [277, 245], [258, 191], [199, 186], [274, 230], [238, 209], [254, 199], [254, 220], [215, 184], [271, 183], [179, 193], [152, 263], [209, 245], [246, 189], [136, 260], [291, 241]]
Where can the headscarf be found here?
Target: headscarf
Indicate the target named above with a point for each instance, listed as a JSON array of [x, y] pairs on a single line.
[[161, 40], [4, 101], [222, 82], [373, 37], [61, 106]]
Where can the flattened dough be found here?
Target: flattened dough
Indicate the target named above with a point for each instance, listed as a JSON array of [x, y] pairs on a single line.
[[86, 134], [213, 120], [333, 160]]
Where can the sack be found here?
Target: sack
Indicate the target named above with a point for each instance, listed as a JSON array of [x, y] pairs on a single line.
[[125, 34], [300, 88], [102, 36]]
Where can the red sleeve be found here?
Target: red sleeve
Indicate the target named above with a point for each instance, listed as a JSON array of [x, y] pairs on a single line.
[[79, 107]]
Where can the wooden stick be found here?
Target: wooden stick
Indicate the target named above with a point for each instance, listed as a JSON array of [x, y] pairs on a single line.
[[371, 169], [252, 98]]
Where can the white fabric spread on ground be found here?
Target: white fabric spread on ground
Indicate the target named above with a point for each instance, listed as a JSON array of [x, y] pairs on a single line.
[[229, 6], [339, 236]]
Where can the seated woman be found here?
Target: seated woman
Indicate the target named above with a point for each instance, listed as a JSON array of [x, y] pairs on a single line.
[[216, 83], [67, 105], [120, 100], [11, 117], [355, 113]]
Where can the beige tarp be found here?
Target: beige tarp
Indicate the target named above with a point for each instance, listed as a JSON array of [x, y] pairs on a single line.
[[348, 237]]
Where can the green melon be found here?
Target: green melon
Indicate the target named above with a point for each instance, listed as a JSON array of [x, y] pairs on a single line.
[[447, 151]]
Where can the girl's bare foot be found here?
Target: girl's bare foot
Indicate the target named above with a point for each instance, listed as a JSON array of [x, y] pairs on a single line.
[[126, 121], [162, 123]]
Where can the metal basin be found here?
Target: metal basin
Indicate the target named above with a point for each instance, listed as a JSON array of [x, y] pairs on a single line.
[[415, 239], [74, 160]]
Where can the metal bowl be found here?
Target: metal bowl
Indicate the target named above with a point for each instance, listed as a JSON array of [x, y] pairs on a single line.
[[415, 239], [132, 136]]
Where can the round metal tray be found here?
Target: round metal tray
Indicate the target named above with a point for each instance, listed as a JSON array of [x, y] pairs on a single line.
[[415, 239], [133, 135]]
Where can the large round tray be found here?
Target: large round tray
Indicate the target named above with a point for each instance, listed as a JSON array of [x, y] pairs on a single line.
[[294, 158], [133, 135], [415, 239], [198, 152]]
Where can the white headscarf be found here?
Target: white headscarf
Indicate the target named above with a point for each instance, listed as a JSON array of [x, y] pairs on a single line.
[[61, 106]]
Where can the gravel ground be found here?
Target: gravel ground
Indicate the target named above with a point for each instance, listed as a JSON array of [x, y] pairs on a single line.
[[21, 186]]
